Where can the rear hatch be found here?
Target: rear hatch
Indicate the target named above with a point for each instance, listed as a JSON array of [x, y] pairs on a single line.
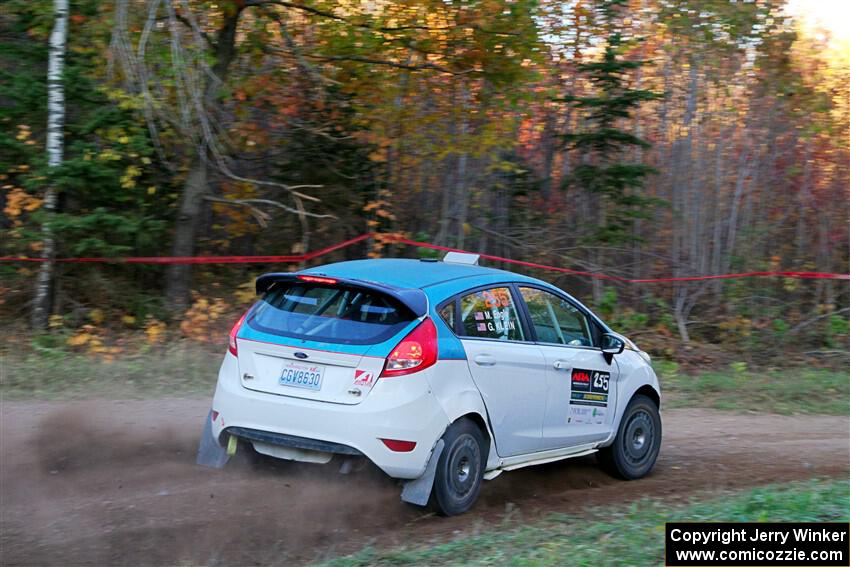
[[319, 341]]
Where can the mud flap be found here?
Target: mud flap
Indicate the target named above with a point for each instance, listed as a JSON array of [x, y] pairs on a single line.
[[210, 453], [418, 491]]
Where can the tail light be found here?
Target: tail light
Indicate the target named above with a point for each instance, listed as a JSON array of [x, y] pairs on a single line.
[[231, 344], [399, 446], [417, 351]]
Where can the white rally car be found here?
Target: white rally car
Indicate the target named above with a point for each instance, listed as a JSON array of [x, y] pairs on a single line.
[[442, 373]]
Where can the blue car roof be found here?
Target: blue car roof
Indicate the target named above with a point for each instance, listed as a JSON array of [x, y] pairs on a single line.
[[438, 280], [420, 274]]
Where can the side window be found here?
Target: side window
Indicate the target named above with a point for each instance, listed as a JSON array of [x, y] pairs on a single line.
[[447, 314], [555, 320], [490, 314]]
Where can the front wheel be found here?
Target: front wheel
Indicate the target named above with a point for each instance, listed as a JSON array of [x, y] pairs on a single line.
[[460, 468], [635, 449]]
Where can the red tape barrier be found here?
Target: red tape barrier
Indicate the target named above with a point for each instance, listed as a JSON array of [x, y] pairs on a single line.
[[399, 240]]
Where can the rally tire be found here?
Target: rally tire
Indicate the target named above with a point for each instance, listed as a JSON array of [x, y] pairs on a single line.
[[635, 449], [460, 468]]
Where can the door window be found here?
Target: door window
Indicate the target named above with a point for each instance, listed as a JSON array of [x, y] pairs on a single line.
[[491, 314], [556, 320]]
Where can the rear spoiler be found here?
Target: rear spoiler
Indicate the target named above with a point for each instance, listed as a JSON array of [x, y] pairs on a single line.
[[413, 299]]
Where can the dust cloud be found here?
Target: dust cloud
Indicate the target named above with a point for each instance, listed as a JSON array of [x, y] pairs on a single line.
[[114, 482]]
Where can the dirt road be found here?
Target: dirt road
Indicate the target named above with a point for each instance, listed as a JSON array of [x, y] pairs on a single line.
[[115, 483]]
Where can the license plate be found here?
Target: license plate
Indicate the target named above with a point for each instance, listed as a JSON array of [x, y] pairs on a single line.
[[302, 376]]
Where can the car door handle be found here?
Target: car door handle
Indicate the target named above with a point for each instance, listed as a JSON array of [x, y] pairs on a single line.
[[561, 364], [485, 360]]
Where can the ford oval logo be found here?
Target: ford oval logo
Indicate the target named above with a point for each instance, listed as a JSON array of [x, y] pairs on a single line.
[[301, 355]]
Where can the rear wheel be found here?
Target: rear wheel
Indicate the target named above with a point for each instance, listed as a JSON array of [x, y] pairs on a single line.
[[460, 468], [635, 449]]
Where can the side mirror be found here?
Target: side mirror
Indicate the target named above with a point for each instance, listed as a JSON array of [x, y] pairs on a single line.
[[612, 344]]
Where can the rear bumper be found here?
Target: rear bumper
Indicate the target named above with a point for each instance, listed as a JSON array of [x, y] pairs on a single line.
[[292, 441], [400, 408]]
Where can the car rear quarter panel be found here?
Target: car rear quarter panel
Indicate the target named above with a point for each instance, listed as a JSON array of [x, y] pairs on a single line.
[[453, 387], [457, 395]]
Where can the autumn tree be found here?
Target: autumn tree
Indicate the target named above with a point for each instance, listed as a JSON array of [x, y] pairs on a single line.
[[606, 170], [604, 143]]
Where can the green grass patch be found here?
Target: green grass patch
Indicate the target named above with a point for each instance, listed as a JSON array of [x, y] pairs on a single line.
[[180, 370], [632, 535], [788, 391], [49, 371]]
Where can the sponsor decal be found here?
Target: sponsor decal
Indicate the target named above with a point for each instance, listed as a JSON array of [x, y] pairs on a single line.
[[363, 378], [598, 415], [579, 414], [590, 388], [590, 415], [588, 399], [581, 380]]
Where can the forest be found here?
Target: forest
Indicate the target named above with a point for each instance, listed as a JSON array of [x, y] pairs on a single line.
[[638, 139]]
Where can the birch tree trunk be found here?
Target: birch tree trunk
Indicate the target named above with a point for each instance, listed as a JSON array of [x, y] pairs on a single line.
[[55, 143]]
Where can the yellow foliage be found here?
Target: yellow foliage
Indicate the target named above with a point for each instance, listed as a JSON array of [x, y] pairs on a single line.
[[128, 180], [108, 155], [85, 336], [91, 337], [79, 339], [23, 132], [128, 320], [97, 316], [202, 322], [55, 321], [18, 201], [154, 330]]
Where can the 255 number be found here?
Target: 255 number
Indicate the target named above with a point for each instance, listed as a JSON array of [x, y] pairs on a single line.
[[600, 382]]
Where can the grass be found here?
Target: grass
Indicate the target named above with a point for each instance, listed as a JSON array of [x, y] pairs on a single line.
[[188, 369], [181, 370], [632, 535], [789, 391]]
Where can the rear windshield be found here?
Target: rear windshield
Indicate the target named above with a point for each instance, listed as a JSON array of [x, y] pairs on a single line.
[[329, 314]]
